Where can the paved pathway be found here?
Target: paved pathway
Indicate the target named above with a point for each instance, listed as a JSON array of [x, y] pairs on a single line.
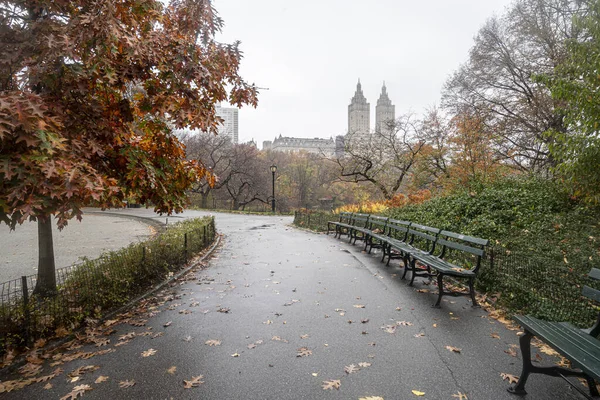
[[91, 237], [284, 290]]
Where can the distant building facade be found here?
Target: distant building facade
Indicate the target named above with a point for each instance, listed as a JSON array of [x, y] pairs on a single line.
[[359, 112], [385, 112], [296, 145], [230, 125]]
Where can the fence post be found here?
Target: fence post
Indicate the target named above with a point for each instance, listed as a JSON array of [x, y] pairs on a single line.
[[185, 246], [26, 313]]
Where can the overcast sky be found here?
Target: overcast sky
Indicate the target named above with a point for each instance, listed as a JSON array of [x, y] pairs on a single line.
[[311, 53]]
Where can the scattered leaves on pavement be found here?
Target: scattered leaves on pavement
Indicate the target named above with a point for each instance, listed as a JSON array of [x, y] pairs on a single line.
[[83, 370], [76, 392], [350, 369], [126, 384], [303, 352], [194, 382], [510, 378], [278, 339], [332, 384], [148, 353]]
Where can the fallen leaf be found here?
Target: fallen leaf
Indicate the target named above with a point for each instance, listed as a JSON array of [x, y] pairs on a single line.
[[82, 370], [315, 374], [460, 396], [224, 310], [172, 370], [364, 364], [404, 323], [332, 384], [126, 384], [304, 336], [359, 306], [495, 335], [453, 349], [194, 382], [148, 353], [278, 339], [101, 379], [417, 393], [187, 339], [511, 352], [364, 321], [350, 369], [510, 378], [127, 336], [77, 392], [168, 324], [213, 342], [235, 355], [48, 386], [421, 334], [303, 352]]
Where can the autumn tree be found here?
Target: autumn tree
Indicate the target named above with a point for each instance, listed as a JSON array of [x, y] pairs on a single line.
[[575, 86], [89, 94], [216, 153], [383, 158], [473, 159], [498, 78], [251, 181]]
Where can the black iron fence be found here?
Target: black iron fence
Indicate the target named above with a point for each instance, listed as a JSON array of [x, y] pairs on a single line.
[[93, 288], [546, 287]]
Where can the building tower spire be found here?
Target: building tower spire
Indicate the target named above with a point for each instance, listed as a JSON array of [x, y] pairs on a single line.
[[385, 112], [359, 112]]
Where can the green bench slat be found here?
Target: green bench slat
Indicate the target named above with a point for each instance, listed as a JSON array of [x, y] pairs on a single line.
[[591, 293], [579, 347], [594, 273], [466, 238], [461, 247]]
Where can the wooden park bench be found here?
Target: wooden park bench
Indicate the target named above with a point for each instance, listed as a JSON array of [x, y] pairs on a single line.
[[466, 253], [581, 347], [375, 236], [394, 241], [359, 228], [342, 226]]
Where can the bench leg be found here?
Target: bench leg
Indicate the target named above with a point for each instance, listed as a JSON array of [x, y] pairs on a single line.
[[440, 282], [406, 261], [525, 344], [472, 292], [413, 268]]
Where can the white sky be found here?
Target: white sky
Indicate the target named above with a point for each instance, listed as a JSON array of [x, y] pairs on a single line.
[[311, 53]]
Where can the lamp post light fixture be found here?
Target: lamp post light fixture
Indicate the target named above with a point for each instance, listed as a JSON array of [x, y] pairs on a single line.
[[273, 170]]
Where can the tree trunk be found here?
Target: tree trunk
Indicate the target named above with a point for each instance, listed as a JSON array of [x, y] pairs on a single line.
[[46, 278], [204, 199]]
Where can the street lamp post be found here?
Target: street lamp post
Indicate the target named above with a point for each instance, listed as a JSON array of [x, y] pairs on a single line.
[[273, 169]]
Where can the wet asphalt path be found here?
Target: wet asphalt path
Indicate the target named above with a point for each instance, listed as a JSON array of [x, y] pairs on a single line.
[[287, 289]]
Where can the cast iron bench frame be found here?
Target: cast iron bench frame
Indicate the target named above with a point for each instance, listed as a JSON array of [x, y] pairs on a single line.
[[451, 242], [375, 236], [359, 228], [345, 222], [580, 346]]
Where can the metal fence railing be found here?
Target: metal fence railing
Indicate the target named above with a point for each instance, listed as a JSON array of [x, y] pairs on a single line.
[[92, 288], [546, 287]]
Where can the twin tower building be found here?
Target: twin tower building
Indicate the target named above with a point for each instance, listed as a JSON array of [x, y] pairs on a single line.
[[359, 112]]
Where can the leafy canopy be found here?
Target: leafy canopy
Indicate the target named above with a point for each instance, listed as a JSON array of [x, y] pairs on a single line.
[[90, 92]]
